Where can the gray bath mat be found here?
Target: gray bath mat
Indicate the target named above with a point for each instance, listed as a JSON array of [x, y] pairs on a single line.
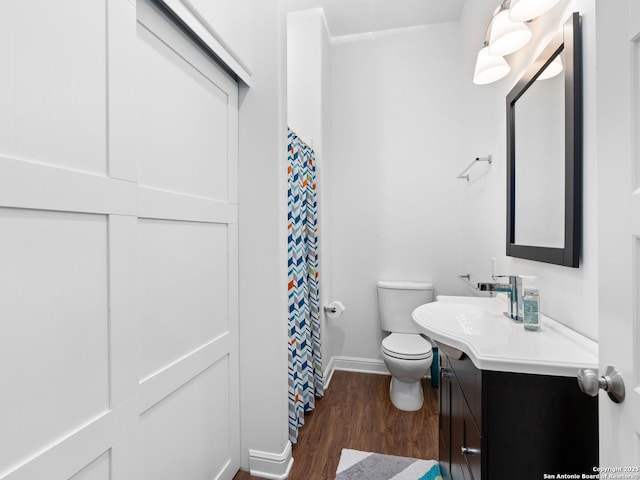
[[357, 465]]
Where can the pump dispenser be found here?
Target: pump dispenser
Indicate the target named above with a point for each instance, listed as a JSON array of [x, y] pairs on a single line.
[[531, 307]]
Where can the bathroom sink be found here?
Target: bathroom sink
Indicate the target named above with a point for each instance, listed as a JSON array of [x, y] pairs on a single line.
[[489, 303], [458, 318], [477, 327], [446, 321]]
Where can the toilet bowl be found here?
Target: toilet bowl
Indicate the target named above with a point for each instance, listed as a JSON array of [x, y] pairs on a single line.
[[406, 353], [408, 358]]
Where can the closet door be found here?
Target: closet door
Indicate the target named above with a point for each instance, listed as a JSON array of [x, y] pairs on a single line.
[[187, 257], [118, 247], [68, 362]]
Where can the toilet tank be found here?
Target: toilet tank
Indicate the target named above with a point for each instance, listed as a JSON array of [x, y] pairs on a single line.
[[396, 301]]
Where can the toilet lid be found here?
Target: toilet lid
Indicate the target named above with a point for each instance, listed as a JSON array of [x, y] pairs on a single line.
[[406, 345]]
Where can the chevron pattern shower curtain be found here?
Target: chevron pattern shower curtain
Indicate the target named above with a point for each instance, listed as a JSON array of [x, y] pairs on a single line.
[[305, 359]]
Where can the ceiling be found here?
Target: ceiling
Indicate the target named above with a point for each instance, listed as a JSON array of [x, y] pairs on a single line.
[[351, 17]]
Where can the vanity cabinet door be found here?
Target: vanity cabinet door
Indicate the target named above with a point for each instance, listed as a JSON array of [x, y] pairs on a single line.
[[537, 425], [445, 417], [470, 379], [460, 447], [471, 448], [458, 406], [513, 425]]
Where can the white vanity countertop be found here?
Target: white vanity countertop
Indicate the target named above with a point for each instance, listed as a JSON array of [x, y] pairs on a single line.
[[508, 347]]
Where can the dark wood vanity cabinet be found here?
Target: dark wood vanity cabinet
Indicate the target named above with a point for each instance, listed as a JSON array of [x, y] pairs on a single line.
[[501, 426]]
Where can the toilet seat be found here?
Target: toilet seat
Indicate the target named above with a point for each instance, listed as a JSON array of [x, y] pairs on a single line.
[[407, 346]]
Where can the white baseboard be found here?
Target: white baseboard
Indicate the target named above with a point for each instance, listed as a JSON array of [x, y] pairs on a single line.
[[354, 364], [274, 466], [328, 372]]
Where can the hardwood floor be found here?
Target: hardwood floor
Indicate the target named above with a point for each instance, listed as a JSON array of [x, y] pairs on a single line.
[[356, 413]]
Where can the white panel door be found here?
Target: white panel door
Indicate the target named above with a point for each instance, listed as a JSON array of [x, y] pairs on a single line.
[[618, 87], [118, 247], [187, 257], [67, 240]]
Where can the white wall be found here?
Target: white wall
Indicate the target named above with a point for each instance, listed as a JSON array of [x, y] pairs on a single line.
[[305, 30], [262, 247], [567, 295], [309, 115], [397, 147]]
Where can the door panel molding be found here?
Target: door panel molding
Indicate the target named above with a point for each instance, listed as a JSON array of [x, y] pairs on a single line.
[[55, 188], [75, 451], [160, 204], [164, 382]]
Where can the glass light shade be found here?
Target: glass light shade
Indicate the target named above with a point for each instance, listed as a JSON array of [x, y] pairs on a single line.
[[506, 36], [524, 10], [553, 69], [489, 68]]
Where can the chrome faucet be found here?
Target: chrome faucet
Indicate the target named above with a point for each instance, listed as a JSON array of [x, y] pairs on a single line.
[[513, 288]]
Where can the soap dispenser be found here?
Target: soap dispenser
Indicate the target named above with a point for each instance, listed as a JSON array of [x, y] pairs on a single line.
[[531, 307]]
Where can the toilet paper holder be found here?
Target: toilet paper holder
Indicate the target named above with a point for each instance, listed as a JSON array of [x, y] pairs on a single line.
[[334, 309]]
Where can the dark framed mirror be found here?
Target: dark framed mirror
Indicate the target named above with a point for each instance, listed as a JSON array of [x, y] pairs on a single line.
[[544, 154]]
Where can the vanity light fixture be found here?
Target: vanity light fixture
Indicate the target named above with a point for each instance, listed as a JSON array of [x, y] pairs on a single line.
[[506, 36], [506, 33], [525, 10]]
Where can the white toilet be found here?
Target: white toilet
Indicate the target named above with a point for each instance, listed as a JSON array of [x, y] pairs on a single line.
[[405, 352]]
